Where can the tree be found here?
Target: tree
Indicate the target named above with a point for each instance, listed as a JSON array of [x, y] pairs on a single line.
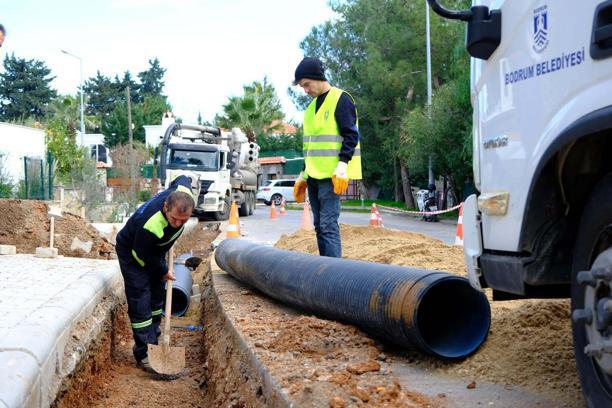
[[444, 132], [102, 95], [67, 108], [24, 89], [149, 112], [151, 80], [6, 182], [256, 112], [61, 143]]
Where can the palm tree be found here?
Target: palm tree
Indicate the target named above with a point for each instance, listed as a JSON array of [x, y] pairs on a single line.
[[66, 108], [256, 112]]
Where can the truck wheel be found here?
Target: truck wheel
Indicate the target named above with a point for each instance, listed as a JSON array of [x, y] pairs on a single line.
[[592, 297], [253, 201], [243, 211], [224, 213], [277, 198]]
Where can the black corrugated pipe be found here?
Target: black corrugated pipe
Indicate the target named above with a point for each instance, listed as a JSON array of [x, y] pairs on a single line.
[[435, 312]]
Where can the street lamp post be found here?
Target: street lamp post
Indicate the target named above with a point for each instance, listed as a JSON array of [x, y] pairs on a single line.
[[428, 48], [81, 92]]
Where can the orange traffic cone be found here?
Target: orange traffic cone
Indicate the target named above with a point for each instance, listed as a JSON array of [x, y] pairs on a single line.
[[306, 220], [375, 218], [283, 211], [233, 228], [459, 233], [273, 215]]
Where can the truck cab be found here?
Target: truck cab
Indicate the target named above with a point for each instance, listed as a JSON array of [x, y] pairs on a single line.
[[541, 223], [225, 164]]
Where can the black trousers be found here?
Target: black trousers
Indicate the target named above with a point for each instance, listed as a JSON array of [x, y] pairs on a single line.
[[145, 298]]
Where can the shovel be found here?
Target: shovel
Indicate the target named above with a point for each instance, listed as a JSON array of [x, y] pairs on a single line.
[[163, 358]]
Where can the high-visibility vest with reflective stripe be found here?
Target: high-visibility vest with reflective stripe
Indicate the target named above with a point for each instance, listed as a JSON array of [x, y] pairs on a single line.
[[322, 140]]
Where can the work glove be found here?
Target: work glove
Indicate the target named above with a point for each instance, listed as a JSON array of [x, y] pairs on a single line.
[[340, 178], [299, 188]]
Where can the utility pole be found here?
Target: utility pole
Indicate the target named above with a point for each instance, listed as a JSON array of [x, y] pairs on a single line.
[[130, 144], [428, 45]]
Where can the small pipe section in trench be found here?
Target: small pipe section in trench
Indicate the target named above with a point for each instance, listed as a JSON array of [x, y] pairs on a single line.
[[181, 287], [435, 312]]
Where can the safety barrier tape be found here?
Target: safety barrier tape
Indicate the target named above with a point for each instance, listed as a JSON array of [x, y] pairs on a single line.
[[420, 212]]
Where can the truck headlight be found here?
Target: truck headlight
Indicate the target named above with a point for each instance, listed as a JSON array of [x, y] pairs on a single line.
[[494, 203]]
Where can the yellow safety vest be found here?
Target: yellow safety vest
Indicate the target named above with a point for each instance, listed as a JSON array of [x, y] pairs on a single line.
[[322, 140]]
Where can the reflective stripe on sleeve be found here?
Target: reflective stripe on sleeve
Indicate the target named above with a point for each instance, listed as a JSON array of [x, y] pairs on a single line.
[[140, 261]]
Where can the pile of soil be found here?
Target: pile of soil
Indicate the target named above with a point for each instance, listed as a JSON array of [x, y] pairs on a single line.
[[115, 381], [529, 343], [26, 225]]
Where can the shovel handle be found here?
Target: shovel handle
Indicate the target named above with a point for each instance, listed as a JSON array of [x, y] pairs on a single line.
[[166, 339]]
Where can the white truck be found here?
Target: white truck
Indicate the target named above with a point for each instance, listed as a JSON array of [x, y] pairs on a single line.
[[225, 164], [541, 225]]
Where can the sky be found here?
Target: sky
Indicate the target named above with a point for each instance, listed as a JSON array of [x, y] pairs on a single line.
[[210, 49]]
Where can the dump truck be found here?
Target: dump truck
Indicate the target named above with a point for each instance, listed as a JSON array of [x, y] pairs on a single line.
[[224, 163], [541, 223]]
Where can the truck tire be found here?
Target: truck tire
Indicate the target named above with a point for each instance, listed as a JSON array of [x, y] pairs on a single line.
[[591, 288], [253, 203], [243, 211], [224, 214]]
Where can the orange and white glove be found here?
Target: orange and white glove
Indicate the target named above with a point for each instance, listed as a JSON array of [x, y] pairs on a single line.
[[340, 178], [299, 188]]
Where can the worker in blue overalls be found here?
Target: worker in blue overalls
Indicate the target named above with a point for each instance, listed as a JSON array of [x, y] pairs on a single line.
[[141, 247]]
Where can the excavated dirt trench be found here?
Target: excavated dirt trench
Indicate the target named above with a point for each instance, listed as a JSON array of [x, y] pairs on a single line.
[[107, 376]]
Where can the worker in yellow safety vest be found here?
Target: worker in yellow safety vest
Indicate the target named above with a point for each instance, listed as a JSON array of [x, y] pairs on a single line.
[[332, 153]]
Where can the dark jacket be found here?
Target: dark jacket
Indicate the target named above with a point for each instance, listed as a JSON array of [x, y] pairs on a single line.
[[147, 236]]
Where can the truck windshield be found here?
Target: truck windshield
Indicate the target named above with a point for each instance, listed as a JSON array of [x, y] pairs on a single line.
[[193, 160]]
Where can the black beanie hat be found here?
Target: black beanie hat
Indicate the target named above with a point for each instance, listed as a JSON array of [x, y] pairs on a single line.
[[311, 68]]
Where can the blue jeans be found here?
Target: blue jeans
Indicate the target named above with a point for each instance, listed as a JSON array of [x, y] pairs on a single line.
[[325, 206]]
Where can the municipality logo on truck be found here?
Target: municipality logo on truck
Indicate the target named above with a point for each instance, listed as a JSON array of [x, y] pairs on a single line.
[[540, 29]]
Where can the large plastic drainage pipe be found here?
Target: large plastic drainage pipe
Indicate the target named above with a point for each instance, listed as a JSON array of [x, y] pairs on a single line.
[[181, 287], [435, 312]]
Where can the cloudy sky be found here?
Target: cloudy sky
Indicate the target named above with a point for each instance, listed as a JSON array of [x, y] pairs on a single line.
[[209, 48]]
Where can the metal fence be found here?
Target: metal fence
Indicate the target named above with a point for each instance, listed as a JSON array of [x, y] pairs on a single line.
[[37, 183]]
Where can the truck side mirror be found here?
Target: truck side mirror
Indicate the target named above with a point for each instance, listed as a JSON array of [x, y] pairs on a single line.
[[155, 155], [483, 31]]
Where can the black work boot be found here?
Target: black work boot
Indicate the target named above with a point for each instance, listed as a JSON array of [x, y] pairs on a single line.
[[145, 365]]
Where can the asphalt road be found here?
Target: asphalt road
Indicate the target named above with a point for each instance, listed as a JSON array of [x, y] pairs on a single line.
[[260, 228]]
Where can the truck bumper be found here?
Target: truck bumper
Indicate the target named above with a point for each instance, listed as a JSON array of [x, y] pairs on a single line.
[[209, 203], [472, 240]]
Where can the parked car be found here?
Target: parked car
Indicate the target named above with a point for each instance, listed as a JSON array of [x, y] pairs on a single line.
[[276, 190]]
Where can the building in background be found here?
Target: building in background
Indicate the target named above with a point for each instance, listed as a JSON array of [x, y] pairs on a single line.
[[18, 142]]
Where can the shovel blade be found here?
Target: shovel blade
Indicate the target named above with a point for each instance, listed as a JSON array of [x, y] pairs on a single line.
[[166, 359]]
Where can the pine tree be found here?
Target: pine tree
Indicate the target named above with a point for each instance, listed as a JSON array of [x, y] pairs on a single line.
[[24, 89]]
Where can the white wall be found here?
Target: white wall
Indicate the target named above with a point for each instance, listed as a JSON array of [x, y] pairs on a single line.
[[16, 142], [90, 139], [153, 134]]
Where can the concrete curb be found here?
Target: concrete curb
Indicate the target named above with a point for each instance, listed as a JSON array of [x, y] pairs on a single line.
[[33, 339]]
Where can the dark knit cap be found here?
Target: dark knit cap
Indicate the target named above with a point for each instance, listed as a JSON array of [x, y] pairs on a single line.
[[311, 68]]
